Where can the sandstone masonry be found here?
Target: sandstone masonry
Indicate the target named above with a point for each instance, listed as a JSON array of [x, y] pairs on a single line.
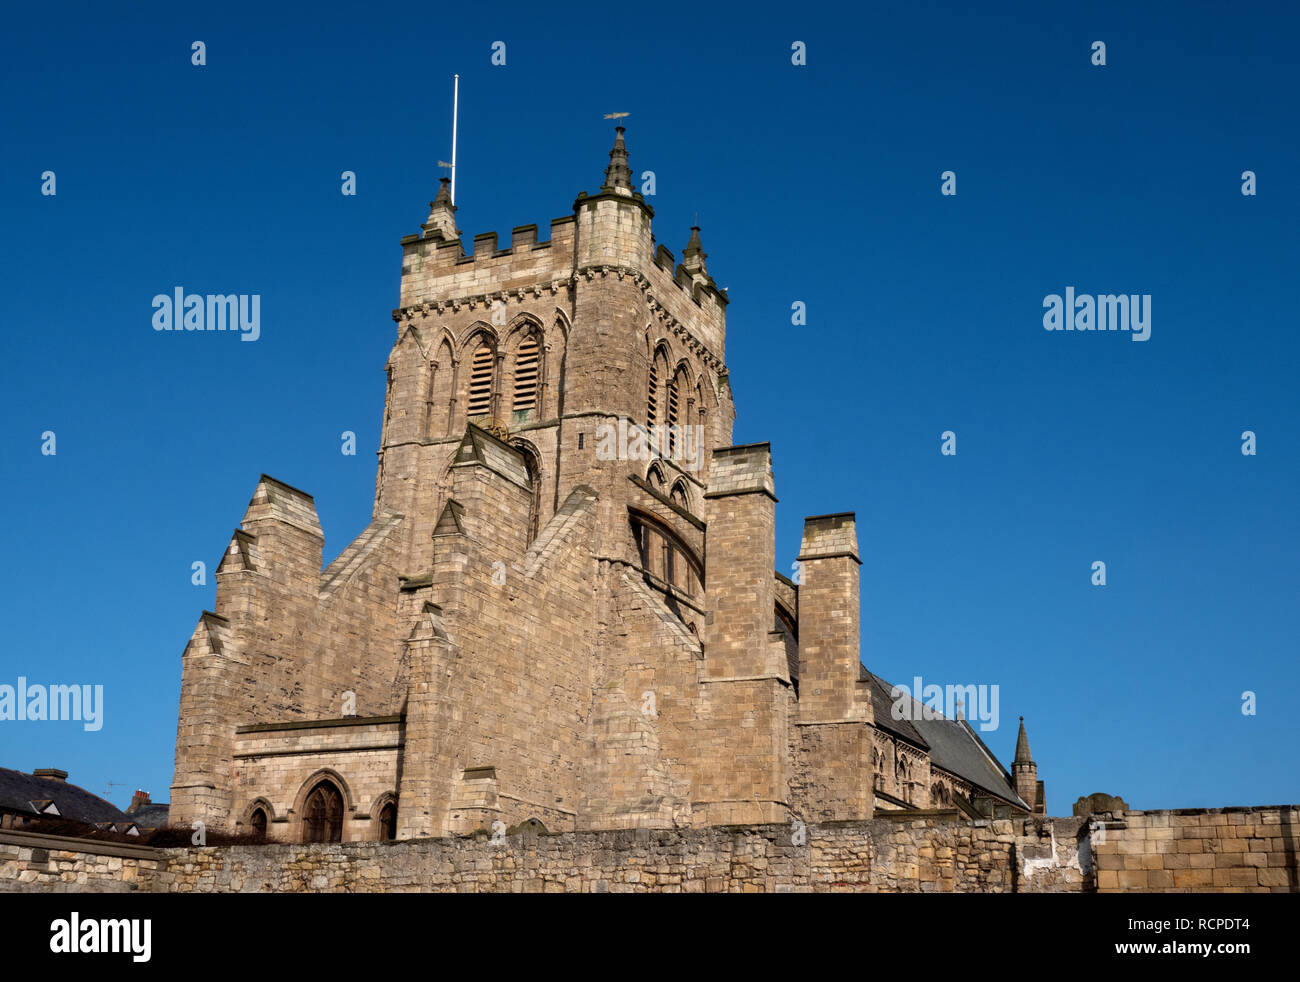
[[529, 630], [1249, 850]]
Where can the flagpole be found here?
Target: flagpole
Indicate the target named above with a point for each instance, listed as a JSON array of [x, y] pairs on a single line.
[[455, 106]]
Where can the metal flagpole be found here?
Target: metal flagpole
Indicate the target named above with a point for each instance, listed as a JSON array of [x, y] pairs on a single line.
[[455, 105]]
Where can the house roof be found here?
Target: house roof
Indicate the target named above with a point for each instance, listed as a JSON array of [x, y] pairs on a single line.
[[151, 816], [20, 792]]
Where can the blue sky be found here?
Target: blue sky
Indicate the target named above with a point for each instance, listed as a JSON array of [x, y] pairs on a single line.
[[819, 184]]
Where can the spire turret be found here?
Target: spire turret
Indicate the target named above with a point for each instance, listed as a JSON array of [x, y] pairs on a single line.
[[694, 255], [441, 223], [618, 176], [1024, 774], [1022, 746]]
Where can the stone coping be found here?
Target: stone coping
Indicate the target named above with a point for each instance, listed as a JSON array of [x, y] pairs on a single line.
[[308, 724], [64, 843]]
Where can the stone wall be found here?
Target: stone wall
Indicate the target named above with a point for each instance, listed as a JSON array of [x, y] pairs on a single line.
[[924, 854], [1244, 849], [930, 854], [35, 863], [1220, 850]]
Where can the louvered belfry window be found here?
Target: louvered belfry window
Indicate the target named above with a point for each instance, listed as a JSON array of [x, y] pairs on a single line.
[[480, 381], [526, 364], [652, 401], [672, 417]]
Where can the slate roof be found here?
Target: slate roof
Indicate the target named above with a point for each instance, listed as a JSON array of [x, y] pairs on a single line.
[[151, 816], [956, 748], [882, 703], [18, 791], [952, 744]]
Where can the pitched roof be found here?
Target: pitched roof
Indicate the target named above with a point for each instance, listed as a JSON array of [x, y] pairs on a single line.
[[952, 744], [19, 792], [152, 815], [882, 703]]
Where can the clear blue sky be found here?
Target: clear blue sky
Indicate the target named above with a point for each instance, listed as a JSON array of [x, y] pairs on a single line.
[[817, 183]]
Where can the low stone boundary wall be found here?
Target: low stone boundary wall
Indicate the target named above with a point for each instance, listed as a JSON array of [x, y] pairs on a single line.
[[30, 861], [1194, 850]]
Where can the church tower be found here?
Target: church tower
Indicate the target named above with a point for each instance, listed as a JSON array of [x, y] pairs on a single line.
[[547, 345], [565, 610]]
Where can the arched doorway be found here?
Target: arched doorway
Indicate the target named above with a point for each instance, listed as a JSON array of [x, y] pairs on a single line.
[[257, 821], [322, 819]]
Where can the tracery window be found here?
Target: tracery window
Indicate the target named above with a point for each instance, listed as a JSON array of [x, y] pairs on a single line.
[[323, 814], [667, 560]]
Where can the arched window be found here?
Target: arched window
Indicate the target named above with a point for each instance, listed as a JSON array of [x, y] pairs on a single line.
[[679, 391], [678, 495], [257, 821], [667, 559], [527, 361], [323, 814], [480, 381], [441, 393], [388, 821]]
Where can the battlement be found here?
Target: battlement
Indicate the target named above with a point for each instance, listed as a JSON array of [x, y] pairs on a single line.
[[693, 300], [438, 270], [451, 253], [608, 233]]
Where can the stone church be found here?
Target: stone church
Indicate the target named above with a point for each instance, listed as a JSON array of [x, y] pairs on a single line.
[[565, 610]]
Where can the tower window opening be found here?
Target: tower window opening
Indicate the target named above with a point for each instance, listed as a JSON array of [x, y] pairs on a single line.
[[480, 382], [652, 400], [526, 366]]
